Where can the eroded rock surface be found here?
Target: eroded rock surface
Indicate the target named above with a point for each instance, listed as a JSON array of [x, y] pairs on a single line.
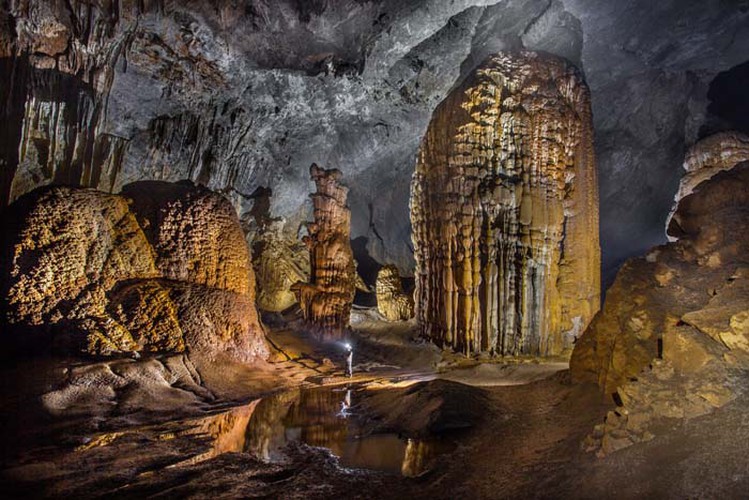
[[81, 266], [505, 211], [279, 260], [671, 340], [392, 301], [327, 299]]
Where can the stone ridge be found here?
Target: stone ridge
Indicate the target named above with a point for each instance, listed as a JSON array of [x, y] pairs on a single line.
[[327, 299], [504, 210]]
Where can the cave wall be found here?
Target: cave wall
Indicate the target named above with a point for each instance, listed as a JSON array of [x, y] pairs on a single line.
[[237, 97], [505, 211]]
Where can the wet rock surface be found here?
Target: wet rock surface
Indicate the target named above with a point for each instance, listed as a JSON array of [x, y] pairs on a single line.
[[504, 211]]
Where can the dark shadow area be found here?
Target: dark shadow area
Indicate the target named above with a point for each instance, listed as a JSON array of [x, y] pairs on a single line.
[[367, 267], [729, 102]]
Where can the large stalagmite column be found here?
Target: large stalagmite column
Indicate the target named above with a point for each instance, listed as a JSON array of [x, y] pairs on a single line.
[[326, 300], [504, 208]]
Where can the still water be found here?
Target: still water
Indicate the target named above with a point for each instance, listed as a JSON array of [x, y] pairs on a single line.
[[328, 418], [323, 417]]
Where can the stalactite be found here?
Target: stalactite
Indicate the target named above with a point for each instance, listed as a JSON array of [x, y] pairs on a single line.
[[504, 210], [326, 300]]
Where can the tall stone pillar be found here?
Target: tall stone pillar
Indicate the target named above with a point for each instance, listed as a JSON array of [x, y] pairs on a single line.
[[327, 299], [504, 209]]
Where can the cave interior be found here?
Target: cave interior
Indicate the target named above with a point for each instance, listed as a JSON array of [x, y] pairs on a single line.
[[374, 248]]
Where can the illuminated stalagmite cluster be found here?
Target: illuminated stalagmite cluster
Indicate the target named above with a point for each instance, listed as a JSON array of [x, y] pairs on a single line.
[[504, 211], [392, 302], [327, 299]]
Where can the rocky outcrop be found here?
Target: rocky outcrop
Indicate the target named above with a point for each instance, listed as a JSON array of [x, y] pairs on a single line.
[[672, 339], [392, 302], [327, 299], [504, 211], [104, 280], [706, 158]]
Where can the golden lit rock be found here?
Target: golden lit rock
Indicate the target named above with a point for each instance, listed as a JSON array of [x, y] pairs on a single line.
[[83, 267], [70, 244], [279, 263], [504, 211], [392, 301], [196, 235], [148, 312]]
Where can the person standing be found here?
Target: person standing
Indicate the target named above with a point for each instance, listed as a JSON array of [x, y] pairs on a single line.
[[350, 361]]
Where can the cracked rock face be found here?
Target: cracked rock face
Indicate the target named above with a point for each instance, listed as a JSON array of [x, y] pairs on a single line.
[[104, 274], [392, 302], [672, 336], [327, 299], [504, 211], [237, 97]]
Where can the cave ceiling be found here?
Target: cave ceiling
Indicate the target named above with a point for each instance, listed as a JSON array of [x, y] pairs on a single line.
[[242, 95]]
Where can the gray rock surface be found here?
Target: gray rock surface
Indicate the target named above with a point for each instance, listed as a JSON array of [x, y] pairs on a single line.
[[241, 95]]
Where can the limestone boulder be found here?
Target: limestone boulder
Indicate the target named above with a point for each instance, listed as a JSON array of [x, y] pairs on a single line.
[[65, 249], [195, 233], [704, 159]]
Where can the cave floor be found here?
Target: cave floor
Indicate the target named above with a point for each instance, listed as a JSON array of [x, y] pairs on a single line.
[[514, 431]]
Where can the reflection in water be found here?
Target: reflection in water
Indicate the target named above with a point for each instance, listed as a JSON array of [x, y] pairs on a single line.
[[320, 417]]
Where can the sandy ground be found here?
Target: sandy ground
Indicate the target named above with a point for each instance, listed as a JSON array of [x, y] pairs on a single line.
[[516, 429]]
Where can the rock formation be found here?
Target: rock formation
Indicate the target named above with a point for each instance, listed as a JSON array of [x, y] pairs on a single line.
[[170, 272], [704, 159], [672, 337], [279, 260], [327, 299], [392, 301], [279, 264], [195, 234], [504, 211]]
